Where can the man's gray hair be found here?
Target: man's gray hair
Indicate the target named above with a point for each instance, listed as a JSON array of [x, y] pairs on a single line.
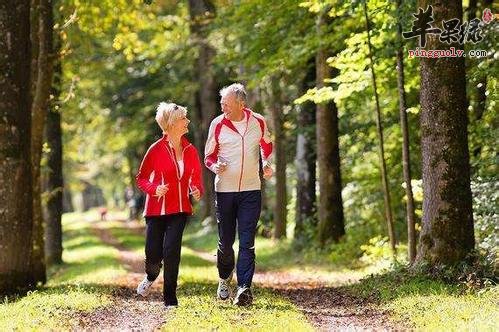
[[237, 89]]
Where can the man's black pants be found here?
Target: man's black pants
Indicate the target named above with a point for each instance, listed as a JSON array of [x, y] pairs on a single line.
[[243, 207]]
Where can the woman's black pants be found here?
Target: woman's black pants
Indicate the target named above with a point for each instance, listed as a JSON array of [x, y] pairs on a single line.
[[163, 243]]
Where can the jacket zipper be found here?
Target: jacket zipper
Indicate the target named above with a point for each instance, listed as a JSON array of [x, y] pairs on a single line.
[[177, 169], [242, 163], [242, 147], [178, 175]]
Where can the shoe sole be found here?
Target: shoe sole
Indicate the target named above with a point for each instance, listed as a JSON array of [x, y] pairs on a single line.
[[244, 300], [142, 294]]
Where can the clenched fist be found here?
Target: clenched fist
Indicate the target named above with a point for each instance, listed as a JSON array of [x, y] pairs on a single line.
[[161, 190]]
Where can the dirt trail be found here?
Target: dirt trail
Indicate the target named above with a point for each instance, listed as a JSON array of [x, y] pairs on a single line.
[[128, 310], [327, 308]]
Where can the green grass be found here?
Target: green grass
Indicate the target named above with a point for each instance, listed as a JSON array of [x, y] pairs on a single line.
[[79, 285], [199, 308], [430, 304]]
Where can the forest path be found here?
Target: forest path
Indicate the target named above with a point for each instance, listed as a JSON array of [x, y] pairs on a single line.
[[327, 308]]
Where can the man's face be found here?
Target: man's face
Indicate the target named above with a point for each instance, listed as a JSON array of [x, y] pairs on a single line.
[[230, 105]]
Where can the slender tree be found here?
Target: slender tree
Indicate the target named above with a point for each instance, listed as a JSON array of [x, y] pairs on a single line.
[[202, 13], [53, 180], [331, 225], [42, 82], [280, 208], [478, 87], [379, 126], [447, 223], [406, 160], [305, 159], [16, 210]]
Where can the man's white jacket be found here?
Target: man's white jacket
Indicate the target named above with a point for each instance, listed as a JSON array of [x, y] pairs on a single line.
[[241, 152]]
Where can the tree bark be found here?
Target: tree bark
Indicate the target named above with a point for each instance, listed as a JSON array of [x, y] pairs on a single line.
[[331, 225], [280, 208], [379, 126], [202, 13], [406, 159], [54, 184], [447, 232], [305, 160], [16, 211], [41, 95]]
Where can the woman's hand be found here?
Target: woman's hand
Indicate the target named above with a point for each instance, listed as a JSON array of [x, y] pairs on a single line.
[[161, 189], [196, 194]]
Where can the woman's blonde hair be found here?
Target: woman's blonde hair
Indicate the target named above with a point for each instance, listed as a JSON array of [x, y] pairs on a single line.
[[167, 113]]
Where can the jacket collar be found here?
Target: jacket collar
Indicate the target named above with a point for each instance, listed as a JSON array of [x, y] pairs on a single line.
[[228, 123], [183, 141]]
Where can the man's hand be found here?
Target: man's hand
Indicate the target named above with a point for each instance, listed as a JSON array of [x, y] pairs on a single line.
[[161, 190], [196, 194], [267, 172], [220, 167]]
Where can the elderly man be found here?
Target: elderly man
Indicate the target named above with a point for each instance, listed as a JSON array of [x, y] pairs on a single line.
[[236, 141]]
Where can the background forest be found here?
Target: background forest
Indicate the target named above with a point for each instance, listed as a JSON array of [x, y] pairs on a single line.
[[361, 132]]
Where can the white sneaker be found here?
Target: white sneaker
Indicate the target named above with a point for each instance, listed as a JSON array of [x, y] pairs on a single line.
[[143, 287], [171, 306], [223, 291]]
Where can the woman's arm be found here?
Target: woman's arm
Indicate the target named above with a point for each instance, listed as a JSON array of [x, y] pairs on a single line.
[[145, 170], [197, 177]]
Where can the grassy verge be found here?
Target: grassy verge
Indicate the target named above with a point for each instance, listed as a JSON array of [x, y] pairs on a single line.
[[431, 304], [199, 309], [79, 285]]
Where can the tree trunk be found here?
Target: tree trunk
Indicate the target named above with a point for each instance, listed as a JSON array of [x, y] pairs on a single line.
[[202, 13], [67, 201], [16, 212], [305, 160], [39, 109], [330, 209], [447, 232], [384, 179], [280, 208], [406, 160], [53, 184]]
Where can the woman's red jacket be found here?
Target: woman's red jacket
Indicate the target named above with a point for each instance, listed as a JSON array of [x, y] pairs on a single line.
[[160, 166]]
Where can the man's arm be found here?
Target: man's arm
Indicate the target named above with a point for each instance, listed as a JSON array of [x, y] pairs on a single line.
[[266, 145], [211, 149]]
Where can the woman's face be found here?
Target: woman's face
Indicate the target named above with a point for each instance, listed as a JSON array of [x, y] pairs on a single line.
[[180, 125]]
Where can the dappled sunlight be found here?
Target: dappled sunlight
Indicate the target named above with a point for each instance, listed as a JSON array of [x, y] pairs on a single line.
[[469, 312]]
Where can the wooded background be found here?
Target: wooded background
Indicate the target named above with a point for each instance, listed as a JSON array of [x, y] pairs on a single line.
[[371, 147]]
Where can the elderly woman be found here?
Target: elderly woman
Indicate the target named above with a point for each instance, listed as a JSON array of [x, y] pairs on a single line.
[[169, 173]]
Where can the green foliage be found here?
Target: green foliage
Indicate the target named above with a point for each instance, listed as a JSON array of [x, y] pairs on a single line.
[[123, 58], [121, 67], [485, 215]]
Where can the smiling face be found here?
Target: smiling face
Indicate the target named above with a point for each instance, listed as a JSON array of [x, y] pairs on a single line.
[[231, 107], [180, 126]]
